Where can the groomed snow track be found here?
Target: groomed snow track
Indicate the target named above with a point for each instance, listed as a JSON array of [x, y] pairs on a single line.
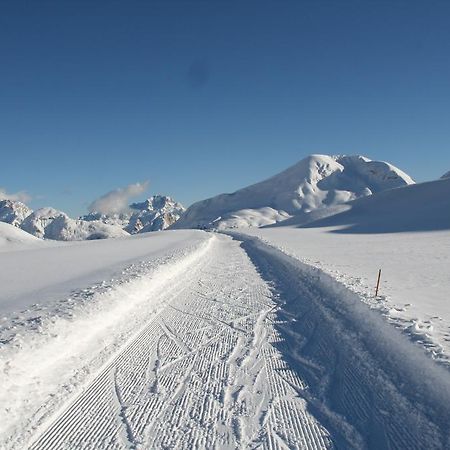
[[252, 350]]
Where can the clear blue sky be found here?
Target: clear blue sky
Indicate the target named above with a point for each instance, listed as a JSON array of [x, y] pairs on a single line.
[[204, 97]]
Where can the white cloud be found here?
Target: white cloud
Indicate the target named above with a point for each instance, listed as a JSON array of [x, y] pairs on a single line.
[[21, 196], [117, 201]]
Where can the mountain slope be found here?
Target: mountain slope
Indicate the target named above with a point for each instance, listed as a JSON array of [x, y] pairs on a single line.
[[419, 207], [11, 236], [49, 223], [316, 182], [156, 213], [13, 212]]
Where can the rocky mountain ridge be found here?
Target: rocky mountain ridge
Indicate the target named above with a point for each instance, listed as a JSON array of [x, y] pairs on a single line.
[[154, 214]]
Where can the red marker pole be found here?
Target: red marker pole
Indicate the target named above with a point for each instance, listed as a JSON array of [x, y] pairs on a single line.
[[378, 283]]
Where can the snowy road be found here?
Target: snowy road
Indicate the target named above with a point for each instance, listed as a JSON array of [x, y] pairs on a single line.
[[247, 353]]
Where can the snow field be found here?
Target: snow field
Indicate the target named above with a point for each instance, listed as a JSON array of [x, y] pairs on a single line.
[[48, 357], [223, 343], [415, 281]]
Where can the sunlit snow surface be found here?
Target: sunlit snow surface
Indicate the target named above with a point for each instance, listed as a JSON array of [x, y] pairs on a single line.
[[187, 339]]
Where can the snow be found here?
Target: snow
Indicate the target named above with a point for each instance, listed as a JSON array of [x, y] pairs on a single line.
[[79, 304], [156, 213], [406, 233], [49, 223], [315, 183], [51, 271], [246, 338], [13, 212], [14, 238], [64, 228], [419, 207], [209, 342], [415, 282], [38, 220]]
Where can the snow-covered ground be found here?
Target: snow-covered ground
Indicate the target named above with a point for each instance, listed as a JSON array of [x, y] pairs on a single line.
[[188, 339], [66, 308], [263, 338], [53, 269], [415, 283], [405, 232]]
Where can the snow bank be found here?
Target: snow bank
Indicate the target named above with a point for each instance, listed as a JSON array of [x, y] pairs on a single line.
[[51, 271], [48, 352]]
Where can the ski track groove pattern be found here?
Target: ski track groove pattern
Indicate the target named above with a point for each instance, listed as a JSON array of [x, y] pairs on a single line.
[[203, 373]]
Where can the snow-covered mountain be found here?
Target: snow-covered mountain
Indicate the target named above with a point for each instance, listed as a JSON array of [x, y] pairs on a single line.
[[316, 182], [37, 222], [156, 213], [13, 212], [10, 236], [49, 223], [446, 175], [419, 207]]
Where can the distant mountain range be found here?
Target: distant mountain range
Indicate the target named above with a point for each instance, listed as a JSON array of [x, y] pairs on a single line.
[[156, 213], [315, 188], [318, 182]]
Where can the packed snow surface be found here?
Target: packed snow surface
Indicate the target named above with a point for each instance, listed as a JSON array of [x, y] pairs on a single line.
[[188, 339], [315, 183]]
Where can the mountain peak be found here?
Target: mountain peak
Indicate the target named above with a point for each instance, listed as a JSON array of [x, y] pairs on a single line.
[[155, 213], [315, 182], [13, 212], [156, 202]]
